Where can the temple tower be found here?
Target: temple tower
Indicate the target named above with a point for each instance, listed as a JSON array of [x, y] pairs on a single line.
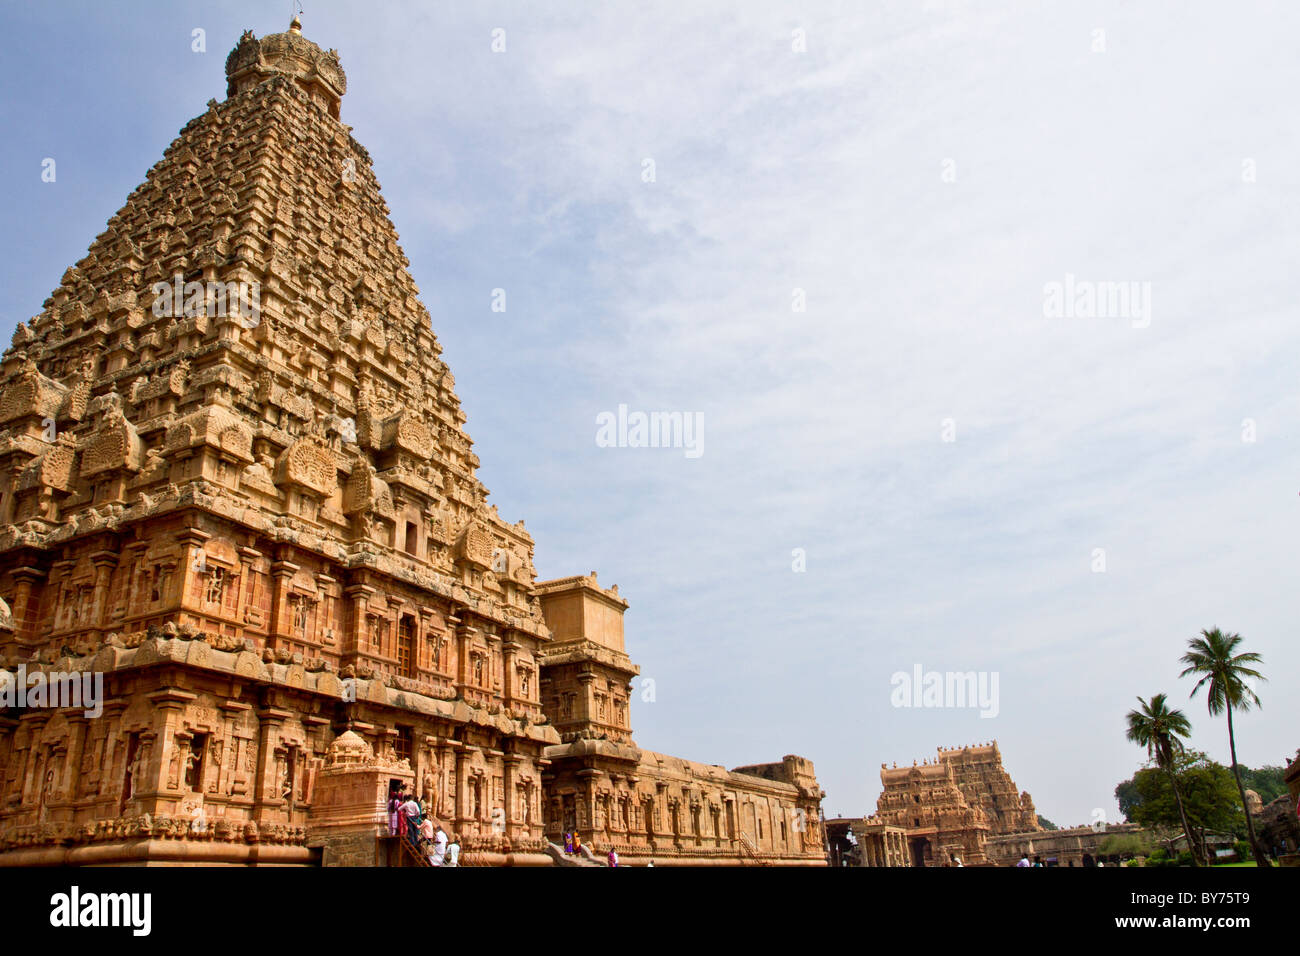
[[234, 480]]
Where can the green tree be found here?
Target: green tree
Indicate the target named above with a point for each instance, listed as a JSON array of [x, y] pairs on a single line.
[[1265, 781], [1127, 797], [1161, 730], [1046, 824], [1223, 672], [1208, 792], [1125, 845]]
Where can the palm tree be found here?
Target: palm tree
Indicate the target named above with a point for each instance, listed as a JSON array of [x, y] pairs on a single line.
[[1161, 730], [1213, 656]]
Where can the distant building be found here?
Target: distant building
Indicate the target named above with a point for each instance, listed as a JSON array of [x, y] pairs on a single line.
[[940, 811], [646, 805]]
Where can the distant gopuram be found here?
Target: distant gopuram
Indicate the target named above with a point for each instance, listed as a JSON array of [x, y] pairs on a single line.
[[944, 810]]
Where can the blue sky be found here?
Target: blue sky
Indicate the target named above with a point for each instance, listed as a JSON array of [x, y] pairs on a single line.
[[921, 171]]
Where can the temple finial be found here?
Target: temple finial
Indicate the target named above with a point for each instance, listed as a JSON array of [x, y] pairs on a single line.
[[295, 25]]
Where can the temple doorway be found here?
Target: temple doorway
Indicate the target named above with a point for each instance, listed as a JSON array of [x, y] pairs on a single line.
[[922, 853]]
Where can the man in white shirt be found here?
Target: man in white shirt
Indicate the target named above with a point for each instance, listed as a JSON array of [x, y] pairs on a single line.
[[439, 847], [453, 852], [412, 811]]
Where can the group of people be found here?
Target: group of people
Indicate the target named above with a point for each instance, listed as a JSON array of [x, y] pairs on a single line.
[[410, 819], [573, 844]]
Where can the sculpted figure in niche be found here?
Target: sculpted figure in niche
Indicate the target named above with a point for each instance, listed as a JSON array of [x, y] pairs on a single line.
[[215, 750], [132, 774], [191, 769], [260, 469], [174, 767], [47, 787]]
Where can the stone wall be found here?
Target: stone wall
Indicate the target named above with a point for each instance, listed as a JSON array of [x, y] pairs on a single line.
[[644, 805], [1075, 846]]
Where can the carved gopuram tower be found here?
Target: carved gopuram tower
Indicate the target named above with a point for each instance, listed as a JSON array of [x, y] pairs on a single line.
[[926, 802], [946, 808], [234, 481], [985, 783]]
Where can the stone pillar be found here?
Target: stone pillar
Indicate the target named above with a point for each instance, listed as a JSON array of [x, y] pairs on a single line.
[[244, 587], [61, 613], [34, 723], [104, 741], [464, 674], [395, 604], [9, 748], [324, 630], [230, 713], [426, 639], [492, 657], [266, 792], [144, 782], [78, 731], [461, 809], [588, 779], [442, 800], [170, 703], [282, 573], [359, 597], [509, 680], [586, 696], [25, 615], [509, 774], [105, 562], [191, 541], [129, 599]]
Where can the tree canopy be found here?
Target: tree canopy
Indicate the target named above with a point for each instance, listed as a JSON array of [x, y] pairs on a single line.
[[1209, 796]]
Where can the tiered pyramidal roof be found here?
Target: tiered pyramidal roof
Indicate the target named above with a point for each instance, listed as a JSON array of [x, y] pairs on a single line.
[[245, 336]]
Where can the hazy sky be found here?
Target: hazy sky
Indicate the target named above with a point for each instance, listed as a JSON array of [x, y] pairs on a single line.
[[921, 172]]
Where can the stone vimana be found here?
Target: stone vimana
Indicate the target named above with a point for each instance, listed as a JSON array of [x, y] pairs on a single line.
[[237, 490]]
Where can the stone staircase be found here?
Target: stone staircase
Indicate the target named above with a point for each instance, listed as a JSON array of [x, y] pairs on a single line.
[[750, 851], [560, 858], [413, 856]]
